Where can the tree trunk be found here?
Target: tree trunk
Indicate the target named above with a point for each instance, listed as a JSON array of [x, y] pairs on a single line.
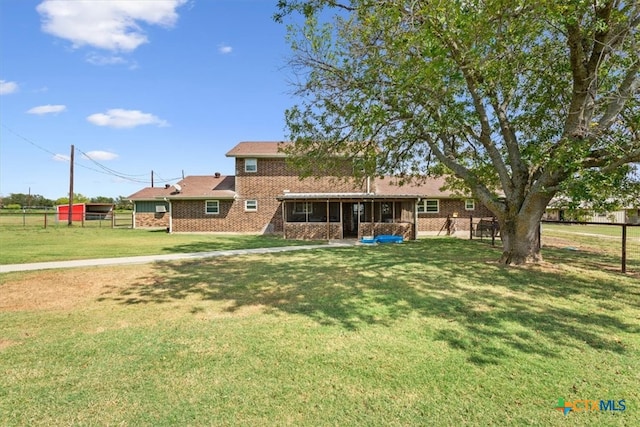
[[520, 241], [520, 235]]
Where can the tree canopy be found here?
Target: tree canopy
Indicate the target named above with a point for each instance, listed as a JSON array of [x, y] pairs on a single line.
[[517, 100]]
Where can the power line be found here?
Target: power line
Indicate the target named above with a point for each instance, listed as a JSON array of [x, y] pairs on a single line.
[[103, 169]]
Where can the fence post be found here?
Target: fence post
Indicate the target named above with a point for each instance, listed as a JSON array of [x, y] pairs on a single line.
[[539, 235], [624, 248], [493, 231], [470, 227]]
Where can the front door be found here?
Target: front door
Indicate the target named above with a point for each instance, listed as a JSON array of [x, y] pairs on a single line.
[[352, 215]]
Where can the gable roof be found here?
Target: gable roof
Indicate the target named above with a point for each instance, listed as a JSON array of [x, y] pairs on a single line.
[[264, 149], [191, 187]]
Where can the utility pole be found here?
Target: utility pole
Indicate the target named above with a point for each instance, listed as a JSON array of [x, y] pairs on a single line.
[[70, 219], [152, 179]]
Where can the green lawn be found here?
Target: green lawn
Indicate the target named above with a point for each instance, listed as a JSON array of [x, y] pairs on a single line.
[[18, 245], [600, 245], [431, 332], [580, 229]]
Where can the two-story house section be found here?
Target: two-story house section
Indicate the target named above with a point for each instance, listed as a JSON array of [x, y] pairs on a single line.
[[267, 195]]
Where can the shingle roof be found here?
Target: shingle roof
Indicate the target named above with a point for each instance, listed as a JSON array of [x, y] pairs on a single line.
[[258, 149], [426, 187], [151, 193], [192, 187]]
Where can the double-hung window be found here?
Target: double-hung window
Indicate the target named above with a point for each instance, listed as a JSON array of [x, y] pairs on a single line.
[[469, 204], [429, 206], [251, 205], [251, 165], [212, 207]]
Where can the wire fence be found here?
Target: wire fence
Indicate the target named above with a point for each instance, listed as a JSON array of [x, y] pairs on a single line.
[[607, 246], [47, 219]]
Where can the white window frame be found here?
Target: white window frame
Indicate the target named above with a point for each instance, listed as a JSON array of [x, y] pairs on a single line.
[[212, 203], [249, 208], [251, 165], [423, 208], [469, 205]]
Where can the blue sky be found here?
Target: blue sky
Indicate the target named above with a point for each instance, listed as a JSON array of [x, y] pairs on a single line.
[[137, 85]]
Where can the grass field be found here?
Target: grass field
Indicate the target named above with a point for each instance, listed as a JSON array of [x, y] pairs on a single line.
[[600, 245], [18, 245], [431, 332]]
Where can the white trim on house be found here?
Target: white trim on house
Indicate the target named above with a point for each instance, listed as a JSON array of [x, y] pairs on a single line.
[[248, 207], [427, 205], [251, 165]]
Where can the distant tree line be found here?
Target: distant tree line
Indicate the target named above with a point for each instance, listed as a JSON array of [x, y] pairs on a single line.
[[22, 201]]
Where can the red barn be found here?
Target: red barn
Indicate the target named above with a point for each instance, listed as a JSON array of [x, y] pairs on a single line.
[[86, 211]]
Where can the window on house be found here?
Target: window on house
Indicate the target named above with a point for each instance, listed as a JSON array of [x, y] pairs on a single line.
[[429, 206], [250, 205], [469, 204], [251, 165], [212, 207]]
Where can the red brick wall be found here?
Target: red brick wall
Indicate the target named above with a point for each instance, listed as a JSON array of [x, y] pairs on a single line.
[[272, 178], [189, 215], [433, 222], [152, 220], [313, 231]]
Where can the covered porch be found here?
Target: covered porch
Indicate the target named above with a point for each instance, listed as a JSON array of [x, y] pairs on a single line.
[[347, 216]]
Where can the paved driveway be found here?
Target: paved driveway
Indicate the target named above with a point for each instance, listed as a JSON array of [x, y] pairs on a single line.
[[153, 258]]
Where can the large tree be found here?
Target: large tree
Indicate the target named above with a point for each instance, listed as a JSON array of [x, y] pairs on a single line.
[[516, 99]]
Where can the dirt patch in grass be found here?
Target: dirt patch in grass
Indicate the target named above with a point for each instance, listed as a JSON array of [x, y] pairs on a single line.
[[7, 343], [66, 289]]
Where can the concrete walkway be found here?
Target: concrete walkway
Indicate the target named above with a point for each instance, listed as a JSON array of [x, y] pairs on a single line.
[[153, 258]]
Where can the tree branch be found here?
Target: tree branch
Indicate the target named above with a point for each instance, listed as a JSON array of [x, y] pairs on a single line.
[[479, 190], [628, 87]]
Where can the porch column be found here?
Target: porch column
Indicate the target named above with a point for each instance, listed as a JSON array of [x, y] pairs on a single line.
[[415, 219], [341, 221], [284, 219], [373, 218], [328, 227]]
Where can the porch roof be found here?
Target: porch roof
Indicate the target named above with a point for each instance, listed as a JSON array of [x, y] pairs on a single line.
[[345, 196]]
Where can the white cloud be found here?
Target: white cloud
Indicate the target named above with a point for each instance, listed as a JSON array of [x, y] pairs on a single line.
[[224, 49], [100, 155], [112, 25], [97, 59], [47, 109], [61, 158], [8, 87], [119, 118]]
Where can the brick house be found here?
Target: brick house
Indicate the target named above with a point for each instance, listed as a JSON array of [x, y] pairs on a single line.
[[266, 195]]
